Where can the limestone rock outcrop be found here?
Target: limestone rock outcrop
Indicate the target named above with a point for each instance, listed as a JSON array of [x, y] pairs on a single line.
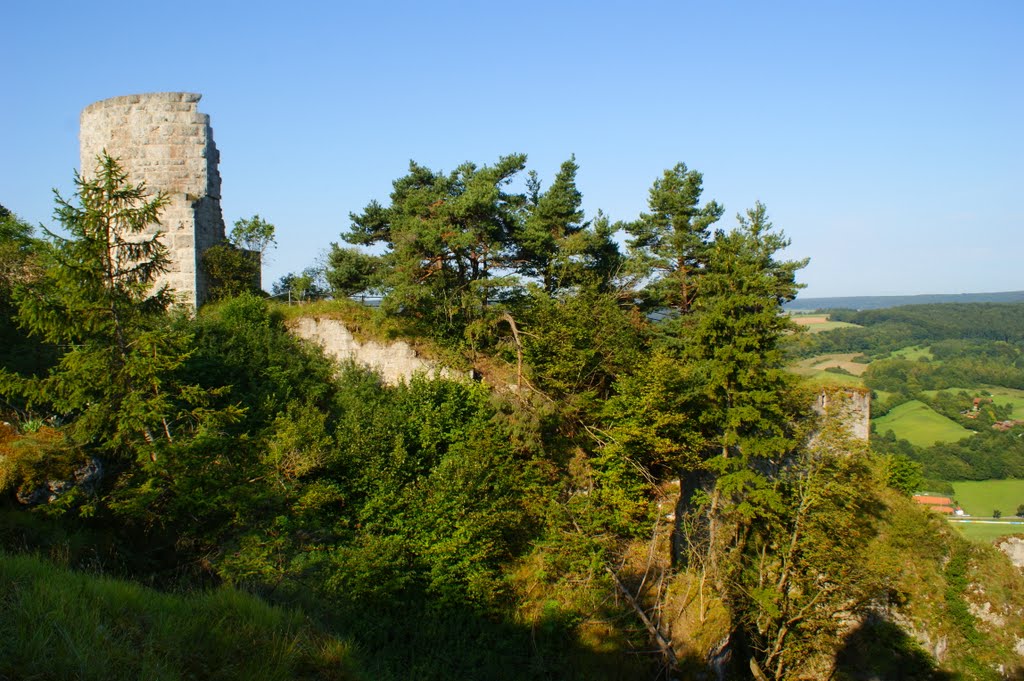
[[395, 362], [1013, 547]]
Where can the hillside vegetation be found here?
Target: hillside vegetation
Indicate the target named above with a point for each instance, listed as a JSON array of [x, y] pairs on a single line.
[[631, 486], [59, 624], [938, 373]]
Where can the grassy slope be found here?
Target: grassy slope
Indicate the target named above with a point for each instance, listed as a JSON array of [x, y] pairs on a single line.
[[980, 498], [920, 424], [842, 360], [1000, 395], [916, 547], [883, 395], [1008, 396], [820, 324], [813, 370], [59, 624]]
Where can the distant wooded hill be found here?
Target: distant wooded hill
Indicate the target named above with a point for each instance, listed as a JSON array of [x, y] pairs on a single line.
[[879, 302]]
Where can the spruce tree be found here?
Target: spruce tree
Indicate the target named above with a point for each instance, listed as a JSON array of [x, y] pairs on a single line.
[[552, 217], [96, 301], [732, 338]]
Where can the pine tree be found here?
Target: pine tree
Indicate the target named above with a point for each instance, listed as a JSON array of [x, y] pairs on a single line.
[[448, 239], [669, 244], [553, 217]]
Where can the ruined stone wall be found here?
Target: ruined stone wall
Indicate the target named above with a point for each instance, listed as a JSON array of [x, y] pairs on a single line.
[[854, 405], [161, 139]]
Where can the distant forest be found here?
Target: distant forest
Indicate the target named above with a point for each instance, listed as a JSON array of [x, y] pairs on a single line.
[[968, 346], [883, 331], [880, 302]]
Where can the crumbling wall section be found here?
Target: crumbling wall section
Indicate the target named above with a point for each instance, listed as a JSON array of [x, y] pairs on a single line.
[[162, 139], [854, 405]]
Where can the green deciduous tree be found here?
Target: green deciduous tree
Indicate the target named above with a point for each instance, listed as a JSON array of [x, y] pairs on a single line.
[[234, 264], [903, 474], [310, 284], [232, 270], [253, 234], [350, 271], [19, 268], [16, 244]]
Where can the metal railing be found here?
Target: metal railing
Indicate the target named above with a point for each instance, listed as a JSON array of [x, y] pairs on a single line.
[[291, 299]]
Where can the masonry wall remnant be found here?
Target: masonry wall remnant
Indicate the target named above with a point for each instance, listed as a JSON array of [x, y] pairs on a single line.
[[161, 139], [854, 408]]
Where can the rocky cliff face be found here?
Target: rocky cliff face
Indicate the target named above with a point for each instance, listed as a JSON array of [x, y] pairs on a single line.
[[395, 362]]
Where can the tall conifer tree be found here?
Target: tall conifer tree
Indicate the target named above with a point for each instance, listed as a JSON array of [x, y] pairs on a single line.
[[448, 239], [97, 302], [670, 243]]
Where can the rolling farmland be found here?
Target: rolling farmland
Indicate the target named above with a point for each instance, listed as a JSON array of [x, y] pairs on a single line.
[[920, 424]]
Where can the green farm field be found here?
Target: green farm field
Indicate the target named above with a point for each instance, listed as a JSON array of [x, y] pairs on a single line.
[[836, 359], [1008, 395], [827, 378], [816, 323], [919, 424], [987, 532], [882, 395], [1000, 395], [813, 370], [981, 497]]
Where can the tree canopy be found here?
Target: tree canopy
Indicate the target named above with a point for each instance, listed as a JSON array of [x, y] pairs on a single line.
[[669, 244], [96, 299], [634, 464], [253, 234]]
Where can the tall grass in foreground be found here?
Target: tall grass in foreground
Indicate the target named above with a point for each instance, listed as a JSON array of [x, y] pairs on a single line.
[[57, 624]]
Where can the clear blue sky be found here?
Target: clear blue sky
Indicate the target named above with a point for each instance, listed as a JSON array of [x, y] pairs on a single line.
[[885, 138]]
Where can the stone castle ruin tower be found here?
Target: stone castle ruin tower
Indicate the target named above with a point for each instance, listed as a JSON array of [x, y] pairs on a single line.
[[854, 407], [162, 140]]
